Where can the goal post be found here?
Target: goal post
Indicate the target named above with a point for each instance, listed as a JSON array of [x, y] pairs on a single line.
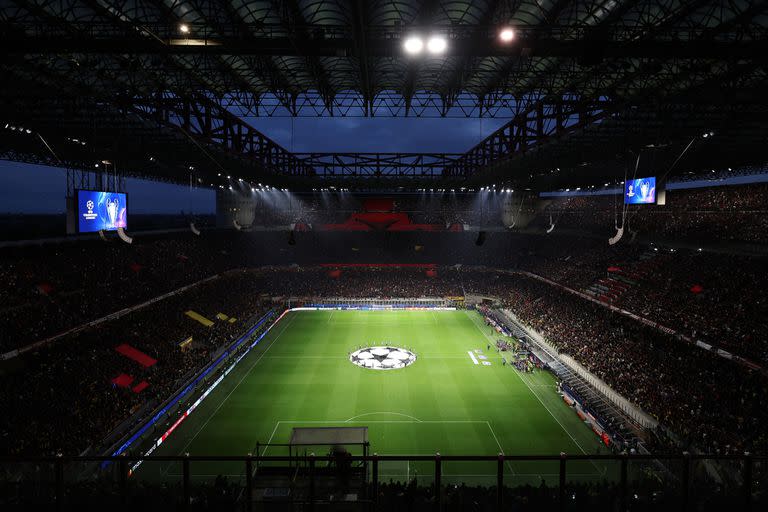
[[320, 442]]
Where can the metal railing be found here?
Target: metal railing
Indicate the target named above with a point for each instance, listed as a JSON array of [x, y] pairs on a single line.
[[742, 497]]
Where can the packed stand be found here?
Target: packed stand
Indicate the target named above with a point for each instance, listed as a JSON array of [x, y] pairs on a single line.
[[716, 214], [714, 404], [51, 288], [71, 379]]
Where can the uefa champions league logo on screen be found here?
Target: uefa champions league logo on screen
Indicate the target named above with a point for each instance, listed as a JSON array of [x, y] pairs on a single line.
[[89, 215]]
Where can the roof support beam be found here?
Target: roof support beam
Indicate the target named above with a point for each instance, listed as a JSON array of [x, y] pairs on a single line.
[[301, 45], [359, 17]]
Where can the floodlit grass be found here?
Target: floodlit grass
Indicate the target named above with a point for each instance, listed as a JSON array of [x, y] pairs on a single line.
[[300, 375]]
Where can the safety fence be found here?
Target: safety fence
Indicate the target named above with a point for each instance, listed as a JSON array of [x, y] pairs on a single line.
[[363, 483]]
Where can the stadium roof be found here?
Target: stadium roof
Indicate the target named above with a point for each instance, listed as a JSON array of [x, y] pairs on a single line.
[[161, 87]]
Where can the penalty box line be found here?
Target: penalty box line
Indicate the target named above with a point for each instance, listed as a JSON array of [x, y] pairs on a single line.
[[411, 421]]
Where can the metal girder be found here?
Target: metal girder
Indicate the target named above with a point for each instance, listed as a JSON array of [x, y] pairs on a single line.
[[544, 122], [422, 166], [207, 123], [361, 50], [605, 48], [300, 38], [686, 78]]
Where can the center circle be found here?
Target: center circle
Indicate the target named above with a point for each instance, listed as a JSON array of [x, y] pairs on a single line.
[[382, 358]]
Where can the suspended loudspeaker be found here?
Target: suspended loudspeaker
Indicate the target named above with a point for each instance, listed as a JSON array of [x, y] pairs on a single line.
[[125, 238], [480, 238], [551, 225], [291, 238], [615, 239]]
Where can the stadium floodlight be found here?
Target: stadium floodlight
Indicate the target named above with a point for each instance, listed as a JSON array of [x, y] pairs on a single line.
[[184, 28], [506, 34], [413, 45], [437, 45]]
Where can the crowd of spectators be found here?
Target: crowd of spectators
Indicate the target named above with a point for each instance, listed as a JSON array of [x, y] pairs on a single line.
[[711, 403], [71, 379], [49, 288], [719, 299], [710, 297], [716, 214]]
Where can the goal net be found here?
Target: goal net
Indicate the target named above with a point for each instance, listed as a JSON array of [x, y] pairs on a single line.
[[337, 442]]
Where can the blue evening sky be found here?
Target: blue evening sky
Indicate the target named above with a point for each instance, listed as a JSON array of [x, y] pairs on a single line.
[[36, 189]]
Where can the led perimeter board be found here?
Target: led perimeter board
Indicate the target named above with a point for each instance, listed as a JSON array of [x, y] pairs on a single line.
[[640, 191], [97, 211]]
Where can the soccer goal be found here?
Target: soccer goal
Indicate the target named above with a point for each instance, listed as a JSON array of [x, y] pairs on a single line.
[[336, 442]]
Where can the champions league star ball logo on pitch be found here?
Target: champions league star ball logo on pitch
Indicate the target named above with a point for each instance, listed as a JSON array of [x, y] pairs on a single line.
[[89, 215], [382, 358]]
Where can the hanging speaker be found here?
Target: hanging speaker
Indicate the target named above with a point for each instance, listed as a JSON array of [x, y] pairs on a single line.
[[123, 236], [291, 238], [615, 238], [480, 238]]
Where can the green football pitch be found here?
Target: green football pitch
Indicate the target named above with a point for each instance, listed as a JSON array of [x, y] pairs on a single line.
[[447, 401]]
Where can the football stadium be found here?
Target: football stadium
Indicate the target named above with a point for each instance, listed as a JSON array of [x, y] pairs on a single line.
[[391, 255]]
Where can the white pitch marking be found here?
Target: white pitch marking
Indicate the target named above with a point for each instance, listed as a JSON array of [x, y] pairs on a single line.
[[270, 437], [382, 412], [383, 421], [472, 356], [238, 385], [541, 401], [499, 445]]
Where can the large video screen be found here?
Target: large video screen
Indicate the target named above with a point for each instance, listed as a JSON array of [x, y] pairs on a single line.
[[101, 211], [640, 191]]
